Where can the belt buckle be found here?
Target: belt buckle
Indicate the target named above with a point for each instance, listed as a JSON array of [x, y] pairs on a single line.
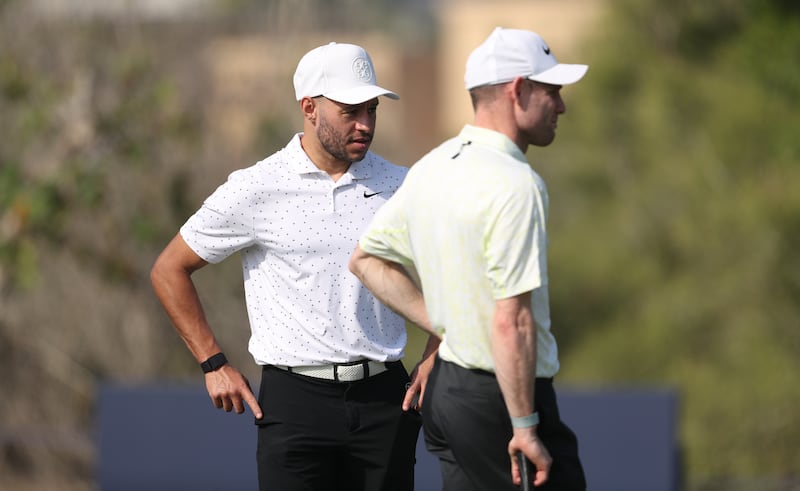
[[362, 365]]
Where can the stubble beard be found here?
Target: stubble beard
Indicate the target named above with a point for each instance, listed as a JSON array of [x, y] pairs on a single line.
[[542, 136], [334, 143]]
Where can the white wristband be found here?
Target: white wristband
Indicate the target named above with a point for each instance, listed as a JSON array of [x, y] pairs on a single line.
[[525, 421]]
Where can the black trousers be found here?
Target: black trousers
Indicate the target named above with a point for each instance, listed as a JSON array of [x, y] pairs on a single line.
[[468, 428], [323, 435]]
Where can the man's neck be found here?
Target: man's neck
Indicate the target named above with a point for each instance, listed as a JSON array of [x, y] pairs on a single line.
[[323, 160], [504, 125]]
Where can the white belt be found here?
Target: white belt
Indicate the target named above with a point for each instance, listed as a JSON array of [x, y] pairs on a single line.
[[339, 372]]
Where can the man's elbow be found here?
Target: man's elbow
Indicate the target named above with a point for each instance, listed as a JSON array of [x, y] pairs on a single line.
[[157, 273], [356, 261], [164, 270]]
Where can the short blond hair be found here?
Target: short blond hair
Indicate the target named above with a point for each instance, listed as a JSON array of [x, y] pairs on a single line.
[[485, 94]]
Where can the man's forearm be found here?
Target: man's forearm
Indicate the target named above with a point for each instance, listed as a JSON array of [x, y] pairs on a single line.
[[172, 284], [391, 285], [431, 346], [514, 352], [188, 319]]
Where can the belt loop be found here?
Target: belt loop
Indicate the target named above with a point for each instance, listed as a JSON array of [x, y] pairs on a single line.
[[365, 367], [335, 373]]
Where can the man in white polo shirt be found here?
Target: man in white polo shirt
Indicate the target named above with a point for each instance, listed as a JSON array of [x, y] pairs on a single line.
[[329, 406], [470, 219]]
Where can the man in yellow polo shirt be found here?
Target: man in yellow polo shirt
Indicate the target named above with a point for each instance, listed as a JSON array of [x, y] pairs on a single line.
[[469, 225]]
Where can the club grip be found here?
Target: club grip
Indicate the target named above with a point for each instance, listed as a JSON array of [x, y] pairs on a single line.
[[524, 471]]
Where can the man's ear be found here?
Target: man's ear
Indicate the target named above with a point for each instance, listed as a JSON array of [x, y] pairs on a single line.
[[309, 108], [518, 89]]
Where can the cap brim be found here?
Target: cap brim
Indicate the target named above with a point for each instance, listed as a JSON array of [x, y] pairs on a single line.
[[561, 74], [357, 95]]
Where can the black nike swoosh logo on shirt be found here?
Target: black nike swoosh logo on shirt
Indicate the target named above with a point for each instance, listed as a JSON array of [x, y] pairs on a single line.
[[369, 195]]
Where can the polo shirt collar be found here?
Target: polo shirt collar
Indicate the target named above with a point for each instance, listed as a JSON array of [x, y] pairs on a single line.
[[362, 169], [491, 138], [303, 164]]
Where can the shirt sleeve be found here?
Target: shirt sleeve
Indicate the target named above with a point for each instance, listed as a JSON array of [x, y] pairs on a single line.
[[224, 224], [516, 241]]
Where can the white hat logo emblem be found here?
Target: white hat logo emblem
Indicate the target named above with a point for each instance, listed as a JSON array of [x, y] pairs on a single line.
[[362, 69]]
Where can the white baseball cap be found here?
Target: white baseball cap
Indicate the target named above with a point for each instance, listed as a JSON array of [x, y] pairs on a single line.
[[510, 53], [341, 72]]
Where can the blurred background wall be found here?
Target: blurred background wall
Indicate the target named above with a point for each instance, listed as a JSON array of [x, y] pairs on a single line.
[[675, 216]]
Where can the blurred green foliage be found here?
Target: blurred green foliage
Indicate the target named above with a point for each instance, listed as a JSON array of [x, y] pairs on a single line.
[[86, 140]]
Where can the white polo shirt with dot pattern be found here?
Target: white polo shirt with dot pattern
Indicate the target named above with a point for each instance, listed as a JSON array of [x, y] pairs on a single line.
[[470, 218], [296, 229]]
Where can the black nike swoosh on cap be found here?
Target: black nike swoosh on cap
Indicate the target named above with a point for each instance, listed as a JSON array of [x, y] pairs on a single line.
[[546, 50]]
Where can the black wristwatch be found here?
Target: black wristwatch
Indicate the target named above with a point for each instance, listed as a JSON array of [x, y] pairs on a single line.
[[214, 363]]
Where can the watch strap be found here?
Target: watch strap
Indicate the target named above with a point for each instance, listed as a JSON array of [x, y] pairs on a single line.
[[214, 362], [525, 421]]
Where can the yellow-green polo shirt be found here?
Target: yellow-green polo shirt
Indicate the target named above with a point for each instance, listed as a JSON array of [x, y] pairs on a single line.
[[470, 219]]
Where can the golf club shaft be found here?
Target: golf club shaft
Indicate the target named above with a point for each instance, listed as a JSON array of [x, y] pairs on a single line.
[[524, 471]]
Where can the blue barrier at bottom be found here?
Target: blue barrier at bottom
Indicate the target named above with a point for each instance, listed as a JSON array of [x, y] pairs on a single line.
[[171, 437], [163, 438], [627, 438]]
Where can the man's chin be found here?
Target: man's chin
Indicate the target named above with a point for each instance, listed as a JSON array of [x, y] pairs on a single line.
[[357, 156]]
